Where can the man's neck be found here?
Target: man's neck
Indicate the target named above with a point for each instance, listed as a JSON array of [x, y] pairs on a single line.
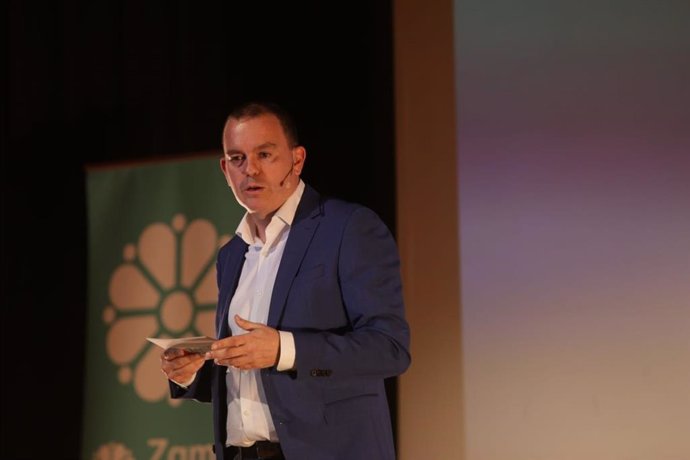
[[260, 223]]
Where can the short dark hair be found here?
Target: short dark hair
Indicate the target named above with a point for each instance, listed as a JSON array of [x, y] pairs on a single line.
[[254, 109]]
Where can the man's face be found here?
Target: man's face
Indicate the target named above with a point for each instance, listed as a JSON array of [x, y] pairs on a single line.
[[259, 164]]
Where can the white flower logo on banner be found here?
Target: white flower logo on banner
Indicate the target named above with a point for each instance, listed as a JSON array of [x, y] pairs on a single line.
[[113, 451], [165, 287]]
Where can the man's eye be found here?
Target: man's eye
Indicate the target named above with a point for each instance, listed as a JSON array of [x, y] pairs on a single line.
[[264, 155], [236, 160]]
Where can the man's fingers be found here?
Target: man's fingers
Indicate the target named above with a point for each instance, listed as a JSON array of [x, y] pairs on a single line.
[[247, 325], [227, 353], [172, 353], [228, 342], [194, 360], [256, 350], [243, 357], [187, 363], [187, 369], [243, 362]]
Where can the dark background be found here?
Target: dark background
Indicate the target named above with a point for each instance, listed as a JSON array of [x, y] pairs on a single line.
[[117, 81]]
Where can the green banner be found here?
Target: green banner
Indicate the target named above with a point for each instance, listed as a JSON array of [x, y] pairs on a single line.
[[154, 232]]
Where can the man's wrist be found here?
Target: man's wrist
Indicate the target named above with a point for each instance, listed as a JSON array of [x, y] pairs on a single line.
[[186, 384]]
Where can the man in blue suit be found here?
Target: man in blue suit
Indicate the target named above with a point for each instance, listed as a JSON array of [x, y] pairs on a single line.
[[310, 315]]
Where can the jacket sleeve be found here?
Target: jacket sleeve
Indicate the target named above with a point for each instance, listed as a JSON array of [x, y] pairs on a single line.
[[376, 343], [199, 390]]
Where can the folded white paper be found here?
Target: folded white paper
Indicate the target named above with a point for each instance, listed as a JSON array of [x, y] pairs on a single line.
[[200, 344]]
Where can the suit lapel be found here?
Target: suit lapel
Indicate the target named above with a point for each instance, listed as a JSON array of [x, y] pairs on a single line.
[[232, 269], [303, 227]]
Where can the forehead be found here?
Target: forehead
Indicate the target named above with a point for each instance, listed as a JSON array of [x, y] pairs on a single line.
[[246, 133]]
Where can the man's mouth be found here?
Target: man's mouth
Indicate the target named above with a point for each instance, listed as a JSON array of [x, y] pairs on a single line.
[[253, 188]]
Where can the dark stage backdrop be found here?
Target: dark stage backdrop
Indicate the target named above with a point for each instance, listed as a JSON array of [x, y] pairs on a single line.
[[93, 83]]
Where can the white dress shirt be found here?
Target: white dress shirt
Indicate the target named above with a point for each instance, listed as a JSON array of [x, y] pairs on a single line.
[[249, 418]]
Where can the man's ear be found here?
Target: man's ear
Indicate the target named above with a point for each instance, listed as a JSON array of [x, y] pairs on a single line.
[[224, 168], [299, 154]]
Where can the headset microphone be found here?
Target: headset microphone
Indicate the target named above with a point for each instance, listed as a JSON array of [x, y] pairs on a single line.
[[282, 182]]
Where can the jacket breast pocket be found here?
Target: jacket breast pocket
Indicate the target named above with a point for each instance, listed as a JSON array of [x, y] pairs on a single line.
[[309, 273], [315, 300]]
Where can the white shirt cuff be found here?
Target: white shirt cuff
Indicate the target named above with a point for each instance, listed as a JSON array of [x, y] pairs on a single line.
[[186, 384], [286, 361]]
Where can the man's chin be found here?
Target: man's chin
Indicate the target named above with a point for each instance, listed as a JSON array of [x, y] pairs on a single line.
[[251, 203], [255, 211]]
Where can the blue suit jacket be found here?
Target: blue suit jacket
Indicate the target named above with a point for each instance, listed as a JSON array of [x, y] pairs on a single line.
[[338, 291]]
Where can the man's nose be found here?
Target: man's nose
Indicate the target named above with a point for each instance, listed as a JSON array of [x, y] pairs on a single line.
[[252, 167]]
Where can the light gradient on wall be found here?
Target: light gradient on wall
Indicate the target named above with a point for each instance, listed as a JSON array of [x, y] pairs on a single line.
[[429, 409], [574, 185]]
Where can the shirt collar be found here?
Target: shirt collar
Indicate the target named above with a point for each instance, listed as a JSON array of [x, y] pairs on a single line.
[[285, 213]]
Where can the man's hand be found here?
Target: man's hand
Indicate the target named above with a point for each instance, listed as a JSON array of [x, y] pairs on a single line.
[[180, 365], [257, 349]]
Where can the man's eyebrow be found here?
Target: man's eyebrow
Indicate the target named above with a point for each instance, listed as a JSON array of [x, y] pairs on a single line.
[[265, 145]]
